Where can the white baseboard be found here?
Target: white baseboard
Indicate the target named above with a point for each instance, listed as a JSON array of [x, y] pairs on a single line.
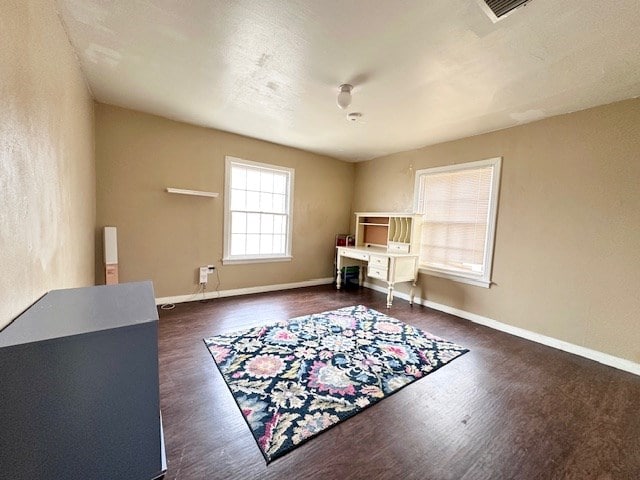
[[242, 291], [600, 357]]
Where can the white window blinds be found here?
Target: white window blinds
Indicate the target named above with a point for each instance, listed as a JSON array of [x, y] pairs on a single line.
[[458, 204]]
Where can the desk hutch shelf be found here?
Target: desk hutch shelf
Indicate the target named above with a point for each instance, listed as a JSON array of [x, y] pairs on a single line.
[[394, 231]]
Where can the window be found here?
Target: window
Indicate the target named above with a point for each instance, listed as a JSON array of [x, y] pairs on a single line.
[[258, 203], [458, 204]]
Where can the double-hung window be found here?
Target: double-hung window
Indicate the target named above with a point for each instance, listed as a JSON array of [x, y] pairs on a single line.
[[458, 204], [258, 205]]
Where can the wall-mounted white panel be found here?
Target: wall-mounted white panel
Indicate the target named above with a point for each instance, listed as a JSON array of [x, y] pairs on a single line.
[[110, 245]]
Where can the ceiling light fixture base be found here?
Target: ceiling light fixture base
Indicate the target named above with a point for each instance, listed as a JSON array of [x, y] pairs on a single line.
[[344, 97]]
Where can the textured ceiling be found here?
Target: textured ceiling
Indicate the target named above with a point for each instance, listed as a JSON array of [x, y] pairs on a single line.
[[423, 71]]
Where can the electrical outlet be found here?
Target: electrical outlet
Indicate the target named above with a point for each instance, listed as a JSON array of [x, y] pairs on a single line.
[[211, 269], [203, 275]]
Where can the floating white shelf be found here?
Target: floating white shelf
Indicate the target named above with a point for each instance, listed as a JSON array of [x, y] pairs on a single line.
[[197, 193]]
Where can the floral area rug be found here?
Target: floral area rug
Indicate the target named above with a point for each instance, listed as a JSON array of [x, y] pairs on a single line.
[[295, 379]]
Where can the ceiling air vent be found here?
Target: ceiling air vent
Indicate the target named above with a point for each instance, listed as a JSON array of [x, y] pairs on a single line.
[[497, 9]]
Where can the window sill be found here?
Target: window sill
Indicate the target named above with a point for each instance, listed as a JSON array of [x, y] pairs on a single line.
[[478, 282], [241, 260]]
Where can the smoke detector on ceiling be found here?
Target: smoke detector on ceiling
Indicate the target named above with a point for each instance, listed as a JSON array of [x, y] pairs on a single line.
[[354, 116], [498, 9]]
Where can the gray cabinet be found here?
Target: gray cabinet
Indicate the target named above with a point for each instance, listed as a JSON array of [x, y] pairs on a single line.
[[79, 391]]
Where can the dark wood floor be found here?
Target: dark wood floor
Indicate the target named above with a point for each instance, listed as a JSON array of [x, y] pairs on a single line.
[[508, 409]]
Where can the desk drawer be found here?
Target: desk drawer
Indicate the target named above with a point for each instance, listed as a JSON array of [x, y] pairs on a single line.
[[379, 261], [396, 247], [353, 254], [375, 272]]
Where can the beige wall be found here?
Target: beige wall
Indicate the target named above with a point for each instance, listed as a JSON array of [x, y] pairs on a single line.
[[166, 237], [47, 174], [567, 254]]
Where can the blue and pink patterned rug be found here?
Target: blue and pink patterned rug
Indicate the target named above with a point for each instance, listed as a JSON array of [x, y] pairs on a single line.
[[294, 379]]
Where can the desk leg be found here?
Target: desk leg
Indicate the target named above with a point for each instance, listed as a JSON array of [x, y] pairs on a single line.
[[361, 274], [412, 292], [414, 284], [338, 276], [390, 295]]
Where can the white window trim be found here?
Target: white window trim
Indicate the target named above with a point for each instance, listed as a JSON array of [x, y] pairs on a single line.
[[242, 259], [477, 280]]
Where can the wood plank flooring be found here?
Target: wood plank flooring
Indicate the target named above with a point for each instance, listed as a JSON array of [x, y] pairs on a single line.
[[508, 409]]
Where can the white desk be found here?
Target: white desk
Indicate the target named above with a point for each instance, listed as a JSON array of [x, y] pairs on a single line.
[[389, 267]]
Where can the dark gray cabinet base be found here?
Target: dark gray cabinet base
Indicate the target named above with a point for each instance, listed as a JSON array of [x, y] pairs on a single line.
[[79, 394]]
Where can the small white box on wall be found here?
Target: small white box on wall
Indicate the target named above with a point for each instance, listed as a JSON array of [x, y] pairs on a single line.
[[110, 235]]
